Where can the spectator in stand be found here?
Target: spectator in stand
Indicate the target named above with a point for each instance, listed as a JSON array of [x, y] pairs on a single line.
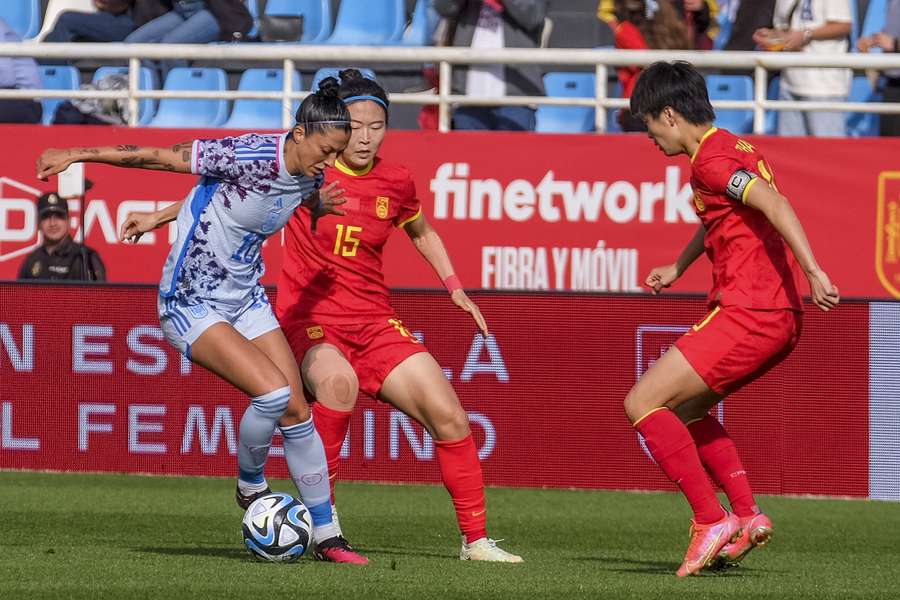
[[815, 27], [642, 25], [889, 41], [699, 16], [111, 23], [486, 24], [59, 256], [18, 73], [744, 19], [192, 22]]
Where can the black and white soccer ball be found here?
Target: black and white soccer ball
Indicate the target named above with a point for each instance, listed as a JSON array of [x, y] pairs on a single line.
[[277, 527]]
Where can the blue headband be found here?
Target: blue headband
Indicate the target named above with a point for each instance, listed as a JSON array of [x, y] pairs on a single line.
[[375, 99]]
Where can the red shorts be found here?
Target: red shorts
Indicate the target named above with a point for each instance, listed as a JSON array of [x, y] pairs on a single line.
[[731, 346], [373, 349]]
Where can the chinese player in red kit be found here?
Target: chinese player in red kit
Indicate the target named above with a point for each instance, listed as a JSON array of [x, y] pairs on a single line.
[[335, 309], [754, 240]]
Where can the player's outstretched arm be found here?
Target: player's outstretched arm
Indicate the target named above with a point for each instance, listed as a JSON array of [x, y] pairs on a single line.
[[781, 214], [663, 277], [176, 158], [137, 224], [431, 247]]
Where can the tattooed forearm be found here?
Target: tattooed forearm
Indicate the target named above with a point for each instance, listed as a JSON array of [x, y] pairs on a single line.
[[127, 148]]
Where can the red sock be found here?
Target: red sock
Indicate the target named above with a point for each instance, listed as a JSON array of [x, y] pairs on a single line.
[[719, 454], [332, 426], [461, 472], [674, 450]]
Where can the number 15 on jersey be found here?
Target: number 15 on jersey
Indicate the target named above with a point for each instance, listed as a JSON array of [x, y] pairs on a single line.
[[345, 244]]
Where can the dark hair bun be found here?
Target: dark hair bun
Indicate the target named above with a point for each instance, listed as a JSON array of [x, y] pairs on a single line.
[[351, 75], [328, 88]]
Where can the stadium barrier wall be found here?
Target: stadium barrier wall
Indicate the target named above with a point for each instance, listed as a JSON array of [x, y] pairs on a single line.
[[89, 384], [517, 211]]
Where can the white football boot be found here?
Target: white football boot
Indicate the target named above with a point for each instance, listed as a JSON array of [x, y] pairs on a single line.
[[487, 550]]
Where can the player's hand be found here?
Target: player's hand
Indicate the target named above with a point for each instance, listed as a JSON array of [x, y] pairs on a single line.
[[460, 299], [825, 295], [661, 277], [325, 202], [53, 161], [137, 224]]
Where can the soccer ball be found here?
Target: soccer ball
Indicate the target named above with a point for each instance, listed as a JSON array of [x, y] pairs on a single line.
[[277, 528]]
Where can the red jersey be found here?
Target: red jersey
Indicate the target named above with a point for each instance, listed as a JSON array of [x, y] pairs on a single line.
[[334, 275], [752, 264]]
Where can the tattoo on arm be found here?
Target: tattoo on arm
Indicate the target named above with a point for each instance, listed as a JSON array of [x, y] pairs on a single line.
[[127, 148]]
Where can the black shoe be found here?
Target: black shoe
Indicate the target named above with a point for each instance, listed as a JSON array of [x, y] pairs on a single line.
[[245, 501]]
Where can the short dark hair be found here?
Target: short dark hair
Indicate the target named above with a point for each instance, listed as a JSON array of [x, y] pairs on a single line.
[[356, 85], [324, 109], [677, 84]]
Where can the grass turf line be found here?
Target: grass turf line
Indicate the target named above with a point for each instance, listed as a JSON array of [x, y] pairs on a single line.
[[115, 536]]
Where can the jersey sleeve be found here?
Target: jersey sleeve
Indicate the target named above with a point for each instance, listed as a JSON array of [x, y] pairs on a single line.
[[245, 158], [410, 207], [727, 176]]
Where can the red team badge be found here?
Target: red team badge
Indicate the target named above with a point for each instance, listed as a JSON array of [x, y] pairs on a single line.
[[887, 235]]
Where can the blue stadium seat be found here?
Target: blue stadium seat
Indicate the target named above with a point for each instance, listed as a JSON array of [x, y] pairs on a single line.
[[424, 21], [333, 72], [732, 87], [772, 115], [147, 81], [193, 113], [863, 124], [23, 16], [261, 114], [316, 16], [369, 22], [612, 114], [854, 25], [566, 119], [57, 78]]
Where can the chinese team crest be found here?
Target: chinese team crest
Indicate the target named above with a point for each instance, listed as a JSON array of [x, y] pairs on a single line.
[[382, 206]]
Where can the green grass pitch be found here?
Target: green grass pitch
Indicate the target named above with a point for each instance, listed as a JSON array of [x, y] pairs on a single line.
[[113, 536]]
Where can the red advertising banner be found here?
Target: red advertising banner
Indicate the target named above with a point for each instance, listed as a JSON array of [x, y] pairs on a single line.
[[89, 384], [517, 211]]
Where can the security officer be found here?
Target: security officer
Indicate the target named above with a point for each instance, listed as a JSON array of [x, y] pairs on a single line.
[[59, 257]]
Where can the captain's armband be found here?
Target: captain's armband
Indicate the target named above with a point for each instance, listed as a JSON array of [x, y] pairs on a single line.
[[739, 184]]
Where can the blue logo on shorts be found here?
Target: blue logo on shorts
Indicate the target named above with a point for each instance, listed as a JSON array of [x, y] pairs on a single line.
[[198, 310]]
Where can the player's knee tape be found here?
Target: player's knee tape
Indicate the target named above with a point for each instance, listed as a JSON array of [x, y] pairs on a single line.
[[274, 403]]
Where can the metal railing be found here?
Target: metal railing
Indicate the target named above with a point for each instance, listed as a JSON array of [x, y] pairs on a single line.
[[446, 58]]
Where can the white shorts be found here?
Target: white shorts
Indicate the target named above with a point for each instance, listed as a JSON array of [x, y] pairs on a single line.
[[182, 324]]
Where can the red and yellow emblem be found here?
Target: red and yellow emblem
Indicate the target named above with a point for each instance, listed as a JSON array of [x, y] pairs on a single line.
[[315, 333], [382, 206], [887, 234], [698, 202]]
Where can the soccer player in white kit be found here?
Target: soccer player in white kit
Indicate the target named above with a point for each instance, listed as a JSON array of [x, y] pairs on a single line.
[[212, 307]]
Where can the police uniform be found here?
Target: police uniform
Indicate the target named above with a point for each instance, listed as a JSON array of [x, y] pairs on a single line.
[[69, 260]]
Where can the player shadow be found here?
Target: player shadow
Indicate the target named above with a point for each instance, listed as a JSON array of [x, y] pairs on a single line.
[[236, 553], [412, 552], [653, 567]]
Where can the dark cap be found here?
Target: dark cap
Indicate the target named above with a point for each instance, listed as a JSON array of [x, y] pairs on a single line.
[[52, 203]]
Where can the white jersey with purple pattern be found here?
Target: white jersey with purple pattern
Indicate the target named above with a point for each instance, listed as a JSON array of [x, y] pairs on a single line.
[[244, 194]]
